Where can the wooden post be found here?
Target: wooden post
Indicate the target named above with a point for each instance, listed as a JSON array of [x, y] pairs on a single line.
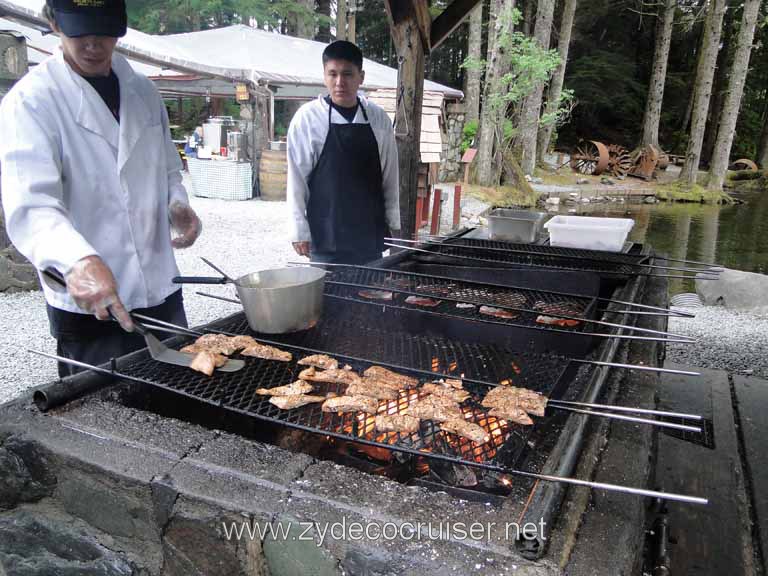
[[456, 205], [419, 212], [407, 25], [434, 227], [341, 20]]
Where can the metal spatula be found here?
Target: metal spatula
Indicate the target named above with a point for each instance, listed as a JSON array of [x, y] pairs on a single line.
[[157, 350]]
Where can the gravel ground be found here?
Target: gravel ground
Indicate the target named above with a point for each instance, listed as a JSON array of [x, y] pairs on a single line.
[[727, 340], [242, 237]]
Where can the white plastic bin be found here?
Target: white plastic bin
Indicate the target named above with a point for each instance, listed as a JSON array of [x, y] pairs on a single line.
[[589, 233]]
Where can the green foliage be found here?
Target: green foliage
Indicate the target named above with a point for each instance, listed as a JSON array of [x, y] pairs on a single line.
[[680, 192], [176, 16], [468, 135]]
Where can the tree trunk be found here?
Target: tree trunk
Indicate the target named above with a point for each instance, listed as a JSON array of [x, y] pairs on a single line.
[[301, 23], [719, 87], [556, 86], [352, 20], [705, 71], [527, 24], [409, 45], [492, 114], [474, 74], [659, 74], [323, 8], [531, 108], [762, 156], [736, 80], [341, 19]]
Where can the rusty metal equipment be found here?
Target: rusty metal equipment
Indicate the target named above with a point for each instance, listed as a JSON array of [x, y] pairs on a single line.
[[591, 158], [744, 164], [594, 158]]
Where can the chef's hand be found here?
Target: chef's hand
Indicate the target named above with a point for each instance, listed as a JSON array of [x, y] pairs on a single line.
[[186, 224], [94, 289], [301, 248]]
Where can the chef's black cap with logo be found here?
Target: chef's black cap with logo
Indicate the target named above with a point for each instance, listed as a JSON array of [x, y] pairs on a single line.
[[78, 18]]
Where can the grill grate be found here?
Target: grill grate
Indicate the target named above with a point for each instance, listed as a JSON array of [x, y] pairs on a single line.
[[347, 340], [536, 255], [526, 305]]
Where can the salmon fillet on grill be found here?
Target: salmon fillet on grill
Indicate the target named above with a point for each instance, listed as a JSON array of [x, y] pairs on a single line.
[[552, 321], [512, 414], [468, 430], [439, 389], [351, 404], [565, 308], [510, 397], [397, 423], [331, 376], [243, 341], [390, 379], [370, 388], [295, 401], [319, 361], [218, 343], [498, 312], [298, 387], [267, 353], [435, 408], [422, 301], [207, 361], [376, 294]]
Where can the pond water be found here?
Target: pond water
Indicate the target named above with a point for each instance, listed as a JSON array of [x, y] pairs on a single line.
[[733, 236]]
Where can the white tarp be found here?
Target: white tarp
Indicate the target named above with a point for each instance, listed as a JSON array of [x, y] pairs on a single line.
[[240, 52]]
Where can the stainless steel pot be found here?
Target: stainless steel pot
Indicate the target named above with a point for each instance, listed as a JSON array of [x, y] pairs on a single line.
[[276, 301]]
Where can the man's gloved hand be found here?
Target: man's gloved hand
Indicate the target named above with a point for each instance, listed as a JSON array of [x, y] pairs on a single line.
[[94, 289], [301, 248], [186, 224]]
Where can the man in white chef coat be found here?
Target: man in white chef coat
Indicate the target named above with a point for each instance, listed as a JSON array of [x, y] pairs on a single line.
[[91, 185], [343, 184]]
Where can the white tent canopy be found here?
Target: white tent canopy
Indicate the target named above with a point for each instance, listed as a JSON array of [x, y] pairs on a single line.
[[235, 52]]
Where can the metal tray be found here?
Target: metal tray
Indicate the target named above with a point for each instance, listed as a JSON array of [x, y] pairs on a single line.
[[515, 225]]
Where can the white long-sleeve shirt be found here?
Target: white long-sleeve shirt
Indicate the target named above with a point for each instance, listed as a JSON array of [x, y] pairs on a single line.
[[75, 183], [306, 138]]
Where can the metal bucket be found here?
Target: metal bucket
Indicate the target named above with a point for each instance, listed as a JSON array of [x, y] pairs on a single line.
[[282, 300]]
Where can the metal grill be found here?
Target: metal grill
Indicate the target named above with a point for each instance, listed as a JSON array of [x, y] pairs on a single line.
[[502, 253], [349, 341], [523, 306]]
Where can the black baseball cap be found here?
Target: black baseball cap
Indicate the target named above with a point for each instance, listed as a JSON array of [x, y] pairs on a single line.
[[90, 17]]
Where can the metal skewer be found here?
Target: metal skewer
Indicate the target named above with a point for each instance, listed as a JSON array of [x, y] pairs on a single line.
[[174, 329], [713, 265], [499, 306], [496, 262], [398, 448], [532, 253], [504, 287], [647, 421]]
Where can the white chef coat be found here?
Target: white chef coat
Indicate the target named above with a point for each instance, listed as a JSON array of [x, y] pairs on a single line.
[[76, 183], [306, 138]]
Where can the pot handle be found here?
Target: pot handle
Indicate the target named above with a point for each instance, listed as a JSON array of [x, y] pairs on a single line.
[[199, 280]]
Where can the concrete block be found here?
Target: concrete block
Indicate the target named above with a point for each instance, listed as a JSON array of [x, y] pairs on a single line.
[[736, 290], [25, 473]]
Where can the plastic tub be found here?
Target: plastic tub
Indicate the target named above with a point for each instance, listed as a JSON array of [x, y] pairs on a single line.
[[589, 233], [514, 225]]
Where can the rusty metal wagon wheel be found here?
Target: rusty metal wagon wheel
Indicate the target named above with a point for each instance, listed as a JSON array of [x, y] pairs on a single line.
[[590, 158], [620, 161], [744, 164], [645, 161]]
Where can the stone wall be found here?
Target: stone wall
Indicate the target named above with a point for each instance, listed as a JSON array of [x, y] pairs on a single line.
[[16, 274], [451, 168]]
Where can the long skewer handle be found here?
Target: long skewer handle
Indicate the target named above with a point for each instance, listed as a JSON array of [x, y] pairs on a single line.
[[638, 367], [614, 408], [635, 419]]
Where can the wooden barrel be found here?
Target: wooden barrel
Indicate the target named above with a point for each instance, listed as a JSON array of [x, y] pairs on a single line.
[[273, 174]]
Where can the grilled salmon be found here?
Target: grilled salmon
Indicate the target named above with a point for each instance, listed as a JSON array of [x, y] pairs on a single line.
[[397, 423], [390, 379], [517, 415], [439, 389], [498, 312], [207, 361], [435, 408], [422, 301], [376, 295], [466, 429], [351, 404], [552, 321], [298, 387], [319, 361], [331, 376], [267, 353], [295, 401], [370, 388], [513, 398]]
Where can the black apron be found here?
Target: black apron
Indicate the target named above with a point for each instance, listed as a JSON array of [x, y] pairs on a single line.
[[346, 197]]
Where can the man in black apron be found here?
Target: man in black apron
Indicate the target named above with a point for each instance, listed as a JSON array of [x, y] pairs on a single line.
[[339, 148]]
